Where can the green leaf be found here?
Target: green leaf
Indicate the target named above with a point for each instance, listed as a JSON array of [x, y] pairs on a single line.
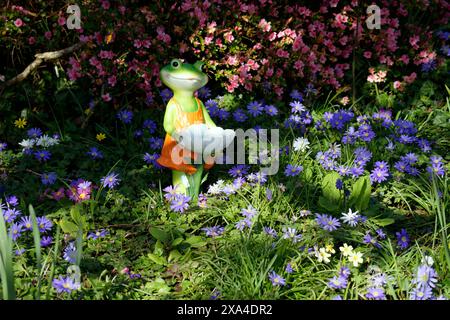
[[383, 222], [68, 226], [159, 234], [329, 189], [360, 196], [177, 241], [327, 204], [196, 241], [174, 255], [157, 259]]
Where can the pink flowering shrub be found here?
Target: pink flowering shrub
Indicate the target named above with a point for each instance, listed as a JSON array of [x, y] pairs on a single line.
[[248, 45]]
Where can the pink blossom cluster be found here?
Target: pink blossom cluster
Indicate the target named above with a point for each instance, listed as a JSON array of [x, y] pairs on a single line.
[[246, 44]]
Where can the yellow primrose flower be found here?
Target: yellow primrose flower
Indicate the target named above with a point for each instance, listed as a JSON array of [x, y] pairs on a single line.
[[20, 123], [322, 255], [346, 250], [329, 248], [100, 136], [355, 258]]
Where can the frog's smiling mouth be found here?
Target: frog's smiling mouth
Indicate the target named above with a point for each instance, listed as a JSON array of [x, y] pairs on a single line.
[[185, 79]]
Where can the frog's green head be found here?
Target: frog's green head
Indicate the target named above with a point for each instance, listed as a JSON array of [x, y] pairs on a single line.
[[183, 76]]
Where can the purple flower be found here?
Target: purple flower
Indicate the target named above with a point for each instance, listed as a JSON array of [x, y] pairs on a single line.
[[239, 115], [213, 231], [340, 118], [421, 293], [149, 125], [409, 158], [424, 145], [244, 223], [98, 234], [34, 133], [356, 171], [151, 158], [180, 203], [46, 241], [296, 95], [204, 93], [3, 146], [48, 178], [379, 175], [66, 284], [276, 279], [375, 294], [365, 133], [297, 107], [327, 222], [155, 143], [249, 213], [437, 166], [292, 171], [15, 231], [344, 272], [44, 224], [405, 127], [401, 166], [110, 181], [95, 154], [339, 184], [291, 233], [426, 277], [166, 94], [42, 155], [270, 232], [238, 170], [271, 110], [26, 223], [381, 234], [338, 283], [70, 253], [405, 139], [363, 155], [402, 239], [10, 214], [170, 193], [125, 116], [288, 268], [368, 239], [255, 108]]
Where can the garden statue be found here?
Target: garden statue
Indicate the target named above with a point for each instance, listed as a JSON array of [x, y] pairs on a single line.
[[192, 138]]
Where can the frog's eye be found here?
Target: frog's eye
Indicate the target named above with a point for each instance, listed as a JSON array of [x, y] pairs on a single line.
[[175, 63], [199, 65]]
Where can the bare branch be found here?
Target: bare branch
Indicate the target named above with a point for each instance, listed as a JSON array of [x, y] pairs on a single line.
[[41, 57]]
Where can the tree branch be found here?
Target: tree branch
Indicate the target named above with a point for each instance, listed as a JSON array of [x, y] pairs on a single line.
[[41, 57]]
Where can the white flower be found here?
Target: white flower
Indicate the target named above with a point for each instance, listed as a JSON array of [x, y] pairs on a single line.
[[301, 144], [46, 141], [27, 143], [216, 188], [346, 250], [427, 260], [323, 255], [355, 258], [305, 213], [350, 218]]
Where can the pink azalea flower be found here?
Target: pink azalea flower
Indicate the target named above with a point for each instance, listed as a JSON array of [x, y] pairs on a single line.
[[18, 23], [61, 21]]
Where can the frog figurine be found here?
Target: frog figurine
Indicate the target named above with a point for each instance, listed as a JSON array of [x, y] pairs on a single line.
[[182, 111]]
